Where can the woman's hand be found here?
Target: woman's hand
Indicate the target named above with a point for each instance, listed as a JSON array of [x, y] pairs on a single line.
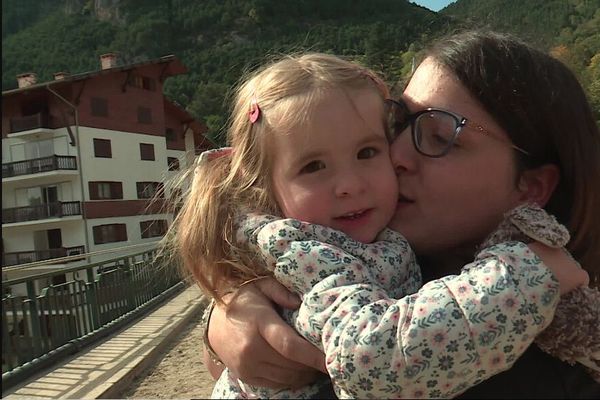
[[257, 345], [567, 271]]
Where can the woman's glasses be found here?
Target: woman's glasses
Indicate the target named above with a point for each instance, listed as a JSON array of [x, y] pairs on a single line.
[[434, 131]]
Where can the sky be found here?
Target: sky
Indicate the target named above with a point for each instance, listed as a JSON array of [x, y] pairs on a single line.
[[434, 5]]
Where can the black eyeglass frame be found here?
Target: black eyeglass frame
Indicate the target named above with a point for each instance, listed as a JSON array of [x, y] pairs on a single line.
[[459, 122]]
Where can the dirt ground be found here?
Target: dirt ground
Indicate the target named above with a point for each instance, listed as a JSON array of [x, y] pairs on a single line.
[[179, 373]]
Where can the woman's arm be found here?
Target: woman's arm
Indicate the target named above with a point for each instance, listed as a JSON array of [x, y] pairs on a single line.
[[451, 335], [254, 342], [245, 350]]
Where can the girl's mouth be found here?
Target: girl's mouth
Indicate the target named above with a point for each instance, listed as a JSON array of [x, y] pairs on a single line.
[[353, 215]]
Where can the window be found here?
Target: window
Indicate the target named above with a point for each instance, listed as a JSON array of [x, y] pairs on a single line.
[[170, 134], [59, 279], [175, 200], [99, 107], [105, 190], [148, 190], [142, 82], [109, 233], [102, 148], [39, 149], [153, 228], [147, 151], [148, 83], [173, 163], [144, 115], [176, 195]]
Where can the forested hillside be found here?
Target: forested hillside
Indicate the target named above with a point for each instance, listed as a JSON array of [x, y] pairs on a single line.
[[219, 39], [568, 29]]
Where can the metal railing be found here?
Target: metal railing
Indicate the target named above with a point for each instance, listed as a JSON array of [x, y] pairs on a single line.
[[39, 120], [57, 209], [23, 257], [37, 165], [57, 320]]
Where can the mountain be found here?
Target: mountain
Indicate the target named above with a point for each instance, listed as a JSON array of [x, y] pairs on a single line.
[[220, 39], [217, 40], [568, 29]]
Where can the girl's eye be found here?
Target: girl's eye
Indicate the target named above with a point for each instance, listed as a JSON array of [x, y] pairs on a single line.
[[312, 167], [367, 152]]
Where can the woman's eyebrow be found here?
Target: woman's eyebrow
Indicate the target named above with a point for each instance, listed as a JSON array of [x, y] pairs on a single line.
[[414, 105]]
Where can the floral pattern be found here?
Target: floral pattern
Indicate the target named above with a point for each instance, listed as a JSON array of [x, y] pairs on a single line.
[[382, 333]]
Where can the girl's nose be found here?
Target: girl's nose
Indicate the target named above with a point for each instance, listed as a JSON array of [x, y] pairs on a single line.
[[349, 184]]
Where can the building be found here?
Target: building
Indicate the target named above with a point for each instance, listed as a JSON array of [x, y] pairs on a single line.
[[81, 157]]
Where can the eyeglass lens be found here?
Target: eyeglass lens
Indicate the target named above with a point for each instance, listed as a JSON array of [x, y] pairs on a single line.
[[434, 132]]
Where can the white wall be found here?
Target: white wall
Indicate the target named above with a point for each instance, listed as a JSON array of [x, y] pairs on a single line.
[[125, 165], [20, 238]]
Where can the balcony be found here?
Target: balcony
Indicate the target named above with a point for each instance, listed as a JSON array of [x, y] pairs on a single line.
[[29, 122], [37, 165], [23, 257], [41, 212]]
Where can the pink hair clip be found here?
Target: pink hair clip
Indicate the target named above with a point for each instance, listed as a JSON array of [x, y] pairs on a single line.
[[254, 114]]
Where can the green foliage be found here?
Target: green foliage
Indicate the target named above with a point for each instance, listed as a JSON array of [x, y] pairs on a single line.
[[568, 29], [536, 21], [220, 40], [20, 14], [55, 44]]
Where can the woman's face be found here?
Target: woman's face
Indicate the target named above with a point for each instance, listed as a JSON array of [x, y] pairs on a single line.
[[454, 201]]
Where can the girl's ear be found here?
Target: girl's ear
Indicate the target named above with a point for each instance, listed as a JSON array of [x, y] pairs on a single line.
[[538, 184]]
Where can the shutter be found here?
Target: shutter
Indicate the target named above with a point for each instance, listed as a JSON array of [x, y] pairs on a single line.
[[122, 232], [144, 229], [97, 235], [93, 187], [116, 190]]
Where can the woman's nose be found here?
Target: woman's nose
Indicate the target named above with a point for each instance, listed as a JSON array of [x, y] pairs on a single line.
[[403, 153]]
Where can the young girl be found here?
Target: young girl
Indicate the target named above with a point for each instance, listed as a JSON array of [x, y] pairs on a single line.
[[309, 140]]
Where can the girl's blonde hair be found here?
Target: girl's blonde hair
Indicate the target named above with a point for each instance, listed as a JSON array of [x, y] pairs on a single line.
[[286, 91]]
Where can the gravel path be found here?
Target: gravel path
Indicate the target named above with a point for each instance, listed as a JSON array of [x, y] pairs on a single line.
[[179, 373]]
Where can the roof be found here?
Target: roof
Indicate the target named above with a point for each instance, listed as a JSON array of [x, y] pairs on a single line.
[[184, 116], [174, 67]]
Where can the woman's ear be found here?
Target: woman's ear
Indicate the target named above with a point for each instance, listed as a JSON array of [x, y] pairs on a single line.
[[538, 184]]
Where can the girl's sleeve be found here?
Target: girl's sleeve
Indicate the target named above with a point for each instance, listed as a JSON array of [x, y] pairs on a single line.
[[452, 334]]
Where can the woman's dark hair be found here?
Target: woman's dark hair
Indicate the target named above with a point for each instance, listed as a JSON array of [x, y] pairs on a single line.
[[538, 101]]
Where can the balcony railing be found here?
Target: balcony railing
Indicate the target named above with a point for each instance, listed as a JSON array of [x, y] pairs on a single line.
[[39, 212], [37, 165], [20, 124], [54, 321], [23, 257]]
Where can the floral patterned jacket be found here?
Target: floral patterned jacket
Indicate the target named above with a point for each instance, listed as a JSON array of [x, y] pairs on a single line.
[[382, 333]]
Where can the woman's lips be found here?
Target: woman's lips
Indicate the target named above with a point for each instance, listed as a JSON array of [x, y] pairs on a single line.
[[403, 202]]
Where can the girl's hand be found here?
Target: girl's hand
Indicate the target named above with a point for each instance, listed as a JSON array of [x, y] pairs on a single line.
[[257, 345], [567, 271]]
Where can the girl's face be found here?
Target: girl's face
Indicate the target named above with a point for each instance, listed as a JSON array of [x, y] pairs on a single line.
[[335, 170], [454, 201]]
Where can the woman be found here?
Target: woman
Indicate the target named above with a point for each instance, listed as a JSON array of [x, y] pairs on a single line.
[[449, 203]]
